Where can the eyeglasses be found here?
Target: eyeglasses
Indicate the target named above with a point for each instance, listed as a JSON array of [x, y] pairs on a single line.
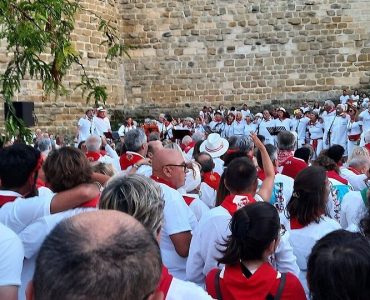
[[183, 165]]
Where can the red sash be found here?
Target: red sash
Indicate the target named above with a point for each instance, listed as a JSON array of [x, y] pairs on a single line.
[[5, 199], [336, 176], [161, 180], [165, 282], [212, 179], [93, 156], [128, 159], [233, 202], [188, 200]]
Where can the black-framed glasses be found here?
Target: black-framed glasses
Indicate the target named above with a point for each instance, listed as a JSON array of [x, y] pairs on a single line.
[[183, 165]]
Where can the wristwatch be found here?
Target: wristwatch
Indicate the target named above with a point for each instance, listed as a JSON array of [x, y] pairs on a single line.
[[136, 166]]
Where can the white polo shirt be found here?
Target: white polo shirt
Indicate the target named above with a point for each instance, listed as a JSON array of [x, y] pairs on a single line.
[[178, 218], [11, 257]]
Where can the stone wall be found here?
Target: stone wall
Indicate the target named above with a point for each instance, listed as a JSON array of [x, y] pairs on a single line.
[[191, 53]]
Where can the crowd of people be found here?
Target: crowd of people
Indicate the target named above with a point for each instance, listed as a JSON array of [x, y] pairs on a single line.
[[231, 205]]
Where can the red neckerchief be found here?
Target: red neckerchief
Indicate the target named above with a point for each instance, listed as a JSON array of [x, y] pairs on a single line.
[[40, 183], [164, 181], [367, 146], [294, 224], [261, 174], [5, 199], [230, 151], [188, 200], [164, 282], [92, 156], [212, 179], [128, 159], [357, 172], [91, 203], [234, 285], [188, 147], [283, 156], [233, 202], [334, 109], [334, 175]]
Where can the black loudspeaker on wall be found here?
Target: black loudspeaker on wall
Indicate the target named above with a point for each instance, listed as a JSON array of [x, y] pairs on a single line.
[[23, 110]]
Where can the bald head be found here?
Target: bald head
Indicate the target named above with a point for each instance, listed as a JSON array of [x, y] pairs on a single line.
[[165, 157], [153, 147], [97, 255]]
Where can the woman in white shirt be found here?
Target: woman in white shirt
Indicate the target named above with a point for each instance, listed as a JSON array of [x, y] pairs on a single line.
[[129, 125], [315, 130], [354, 129], [306, 213]]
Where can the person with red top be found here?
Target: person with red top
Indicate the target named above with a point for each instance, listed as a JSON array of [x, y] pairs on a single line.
[[286, 143], [64, 169], [241, 181], [141, 198], [247, 274], [307, 219], [169, 170]]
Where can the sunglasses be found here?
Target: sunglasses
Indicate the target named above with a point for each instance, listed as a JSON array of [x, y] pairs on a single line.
[[183, 165]]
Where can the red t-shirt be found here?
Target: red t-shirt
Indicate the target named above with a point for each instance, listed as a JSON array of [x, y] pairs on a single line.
[[234, 285]]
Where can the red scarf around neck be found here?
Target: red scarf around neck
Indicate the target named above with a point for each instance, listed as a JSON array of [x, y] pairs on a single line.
[[164, 181], [93, 156], [357, 172], [212, 179], [188, 200], [128, 159], [5, 199], [164, 282], [334, 175], [233, 202], [294, 224], [189, 147]]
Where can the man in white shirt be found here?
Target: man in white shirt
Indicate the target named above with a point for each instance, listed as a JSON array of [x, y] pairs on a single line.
[[364, 116], [267, 122], [97, 255], [85, 125], [101, 122], [299, 125], [357, 172], [11, 262], [328, 117], [136, 150], [215, 146], [344, 97], [338, 128], [169, 170], [238, 126]]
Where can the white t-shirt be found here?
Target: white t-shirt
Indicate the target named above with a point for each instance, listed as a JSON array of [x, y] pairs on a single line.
[[186, 290], [101, 125], [219, 165], [20, 213], [33, 237], [300, 126], [212, 231], [208, 195], [343, 99], [353, 209], [198, 207], [11, 257], [84, 129], [178, 218], [365, 118]]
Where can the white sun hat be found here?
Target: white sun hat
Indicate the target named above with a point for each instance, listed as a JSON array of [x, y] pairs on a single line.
[[214, 145]]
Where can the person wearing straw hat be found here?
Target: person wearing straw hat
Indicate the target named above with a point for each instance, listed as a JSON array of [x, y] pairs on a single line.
[[215, 146]]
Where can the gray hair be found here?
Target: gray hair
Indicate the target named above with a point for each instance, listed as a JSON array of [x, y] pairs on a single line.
[[44, 144], [93, 143], [329, 103], [244, 143], [359, 162], [286, 140], [187, 139], [134, 139], [136, 195], [198, 136]]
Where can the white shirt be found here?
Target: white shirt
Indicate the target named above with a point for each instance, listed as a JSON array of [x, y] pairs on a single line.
[[316, 131], [186, 290], [358, 182], [227, 131], [249, 128], [124, 129], [354, 127], [178, 218], [365, 118], [353, 209], [336, 195], [328, 119], [286, 123], [20, 213], [197, 206], [101, 125], [212, 230], [302, 241], [11, 257], [262, 130], [343, 99], [85, 129], [208, 195], [33, 237], [217, 126], [219, 165], [238, 127], [300, 126], [338, 131]]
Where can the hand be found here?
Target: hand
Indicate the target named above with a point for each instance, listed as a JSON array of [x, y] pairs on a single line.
[[103, 141], [257, 142]]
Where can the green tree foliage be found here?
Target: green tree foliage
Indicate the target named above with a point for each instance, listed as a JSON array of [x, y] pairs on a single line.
[[38, 37]]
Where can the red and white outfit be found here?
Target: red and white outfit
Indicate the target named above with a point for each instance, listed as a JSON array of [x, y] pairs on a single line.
[[124, 129], [112, 157], [212, 231], [293, 166], [209, 187], [128, 159], [101, 125], [328, 118], [263, 282], [178, 218], [85, 128], [11, 257], [353, 208], [197, 206], [176, 289], [237, 128], [355, 178], [316, 135], [188, 150], [339, 130], [303, 238], [354, 130]]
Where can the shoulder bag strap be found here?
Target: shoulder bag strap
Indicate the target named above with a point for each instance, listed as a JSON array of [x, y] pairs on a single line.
[[217, 285], [281, 286]]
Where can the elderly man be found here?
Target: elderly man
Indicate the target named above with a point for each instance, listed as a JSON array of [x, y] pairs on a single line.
[[338, 128], [169, 170], [101, 121], [299, 125], [357, 172], [97, 255], [136, 150], [328, 117]]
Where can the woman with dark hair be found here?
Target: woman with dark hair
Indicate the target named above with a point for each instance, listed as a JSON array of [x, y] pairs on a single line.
[[315, 130], [228, 128], [354, 129], [247, 274], [339, 267], [306, 213], [283, 119]]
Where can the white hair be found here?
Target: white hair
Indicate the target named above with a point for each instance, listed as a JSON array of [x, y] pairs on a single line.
[[93, 143], [186, 139]]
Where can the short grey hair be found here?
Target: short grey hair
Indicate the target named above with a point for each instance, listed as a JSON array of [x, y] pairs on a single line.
[[198, 136], [244, 143], [136, 195], [286, 140], [44, 144], [329, 103], [93, 143], [134, 139], [359, 162], [187, 139]]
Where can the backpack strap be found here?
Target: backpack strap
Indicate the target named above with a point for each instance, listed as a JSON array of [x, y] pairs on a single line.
[[217, 285], [364, 196], [281, 286]]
